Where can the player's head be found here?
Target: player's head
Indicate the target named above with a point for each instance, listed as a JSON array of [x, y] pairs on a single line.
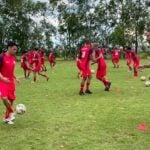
[[11, 48], [148, 36], [94, 46], [87, 41], [129, 48]]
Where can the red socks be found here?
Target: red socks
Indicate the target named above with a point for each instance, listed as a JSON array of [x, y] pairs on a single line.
[[6, 115], [103, 79], [81, 87], [87, 86]]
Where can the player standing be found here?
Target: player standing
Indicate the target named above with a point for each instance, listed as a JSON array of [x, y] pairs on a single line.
[[85, 55], [115, 57], [7, 81]]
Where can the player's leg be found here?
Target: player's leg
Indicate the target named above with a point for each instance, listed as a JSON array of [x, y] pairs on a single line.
[[135, 72], [34, 76], [88, 83], [129, 65], [43, 75], [82, 86], [103, 79], [114, 63], [9, 110]]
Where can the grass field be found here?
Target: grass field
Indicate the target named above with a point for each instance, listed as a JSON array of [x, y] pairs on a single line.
[[57, 118]]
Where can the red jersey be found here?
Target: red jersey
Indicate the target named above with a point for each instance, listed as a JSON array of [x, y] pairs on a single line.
[[8, 67], [115, 53], [51, 56], [24, 58], [101, 62], [135, 58], [128, 54], [84, 55]]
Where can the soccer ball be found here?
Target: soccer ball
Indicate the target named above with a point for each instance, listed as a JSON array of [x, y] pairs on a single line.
[[143, 78], [20, 109], [147, 83], [92, 71]]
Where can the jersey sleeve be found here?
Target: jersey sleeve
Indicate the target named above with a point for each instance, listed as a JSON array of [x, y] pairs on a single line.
[[1, 60]]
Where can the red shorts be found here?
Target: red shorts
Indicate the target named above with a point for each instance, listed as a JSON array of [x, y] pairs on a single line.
[[115, 59], [7, 91], [52, 61], [101, 70], [37, 68]]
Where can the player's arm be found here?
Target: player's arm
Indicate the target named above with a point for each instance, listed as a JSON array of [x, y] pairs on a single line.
[[146, 66], [6, 80]]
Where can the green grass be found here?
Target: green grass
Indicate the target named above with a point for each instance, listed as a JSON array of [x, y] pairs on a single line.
[[58, 119]]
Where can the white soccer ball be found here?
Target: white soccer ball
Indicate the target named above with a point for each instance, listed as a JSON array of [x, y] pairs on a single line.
[[143, 78], [147, 83], [20, 109]]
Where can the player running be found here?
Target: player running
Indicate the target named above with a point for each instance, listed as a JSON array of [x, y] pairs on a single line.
[[128, 54], [25, 65], [52, 60], [7, 81], [102, 66], [115, 57], [37, 67], [136, 63], [42, 55]]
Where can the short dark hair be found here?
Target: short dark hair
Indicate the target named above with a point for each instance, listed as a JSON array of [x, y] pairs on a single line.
[[87, 41], [129, 48], [11, 44]]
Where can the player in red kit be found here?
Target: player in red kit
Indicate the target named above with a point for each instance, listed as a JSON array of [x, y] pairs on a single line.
[[115, 57], [51, 59], [42, 55], [128, 55], [136, 63], [25, 64], [37, 66], [102, 67], [7, 81], [85, 55]]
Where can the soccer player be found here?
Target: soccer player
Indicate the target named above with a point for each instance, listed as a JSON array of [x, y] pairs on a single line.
[[25, 64], [42, 55], [37, 68], [85, 56], [115, 57], [136, 63], [128, 54], [102, 66], [51, 59], [7, 81]]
